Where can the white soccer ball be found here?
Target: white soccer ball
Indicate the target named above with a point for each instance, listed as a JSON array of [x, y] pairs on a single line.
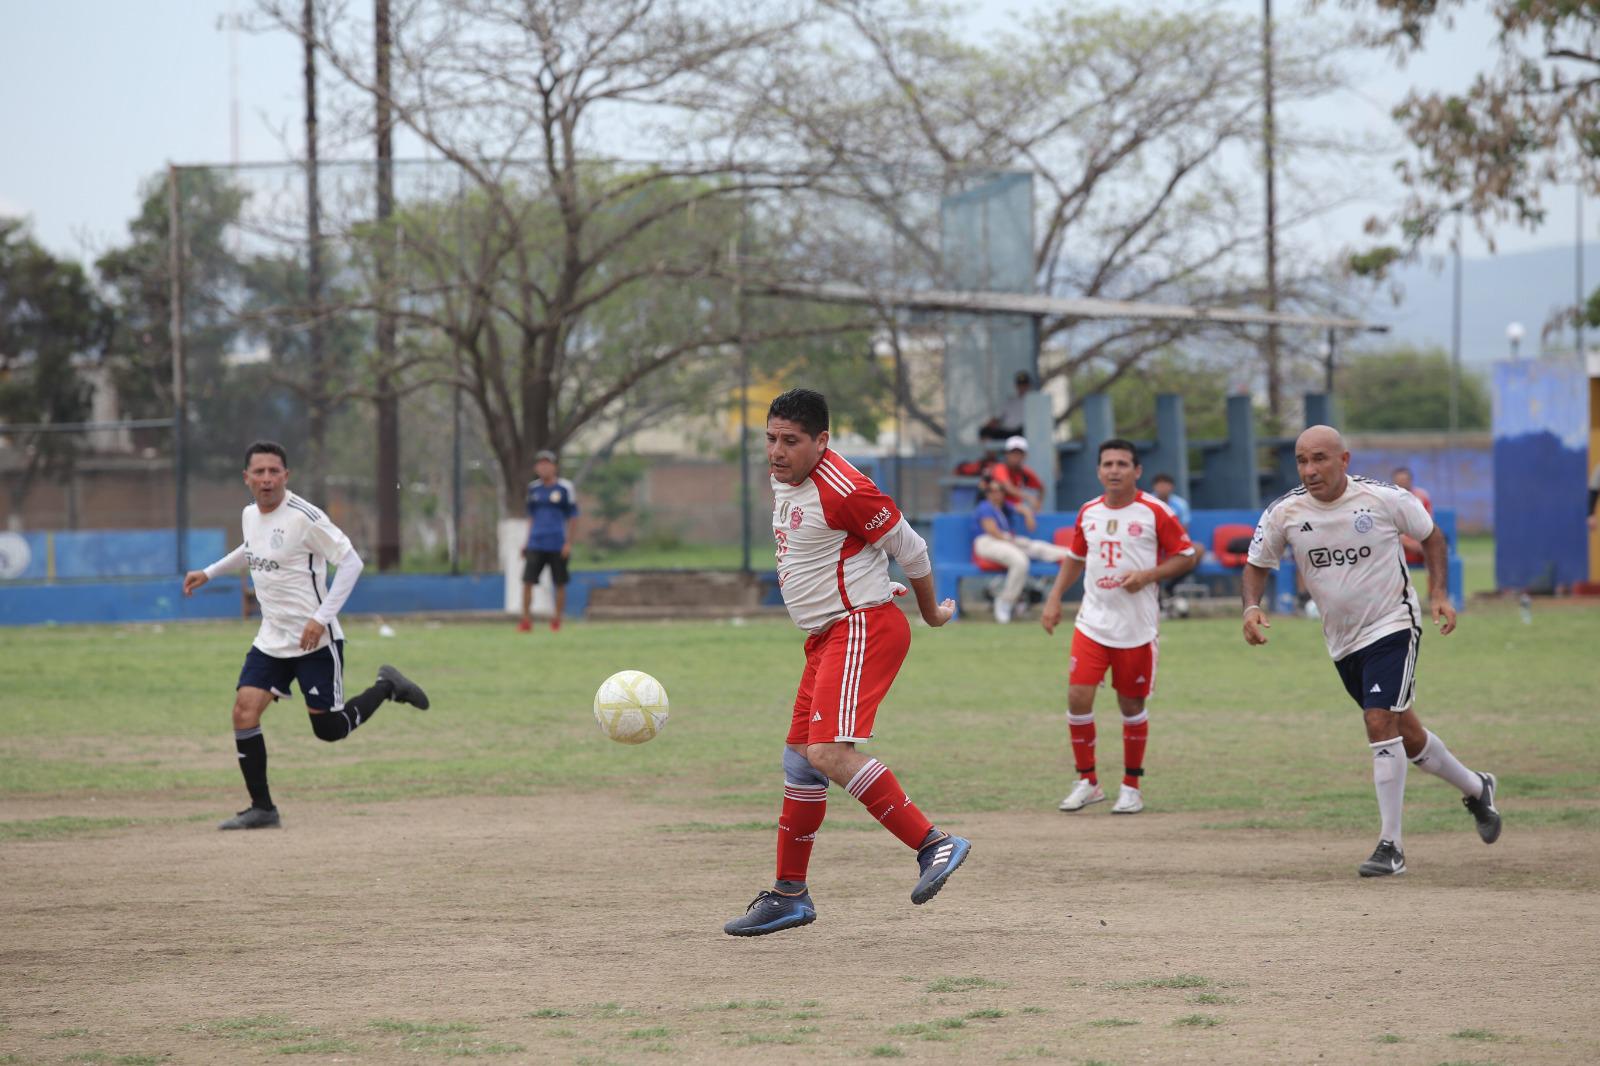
[[631, 706]]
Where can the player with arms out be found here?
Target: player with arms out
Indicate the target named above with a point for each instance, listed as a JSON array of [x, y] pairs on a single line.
[[287, 546], [1346, 532], [1126, 543], [835, 533]]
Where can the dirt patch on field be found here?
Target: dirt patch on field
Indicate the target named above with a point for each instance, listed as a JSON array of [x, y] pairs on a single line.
[[587, 929]]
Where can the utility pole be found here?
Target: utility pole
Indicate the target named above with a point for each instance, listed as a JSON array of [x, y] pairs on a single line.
[[180, 377], [1269, 138], [388, 401], [317, 409]]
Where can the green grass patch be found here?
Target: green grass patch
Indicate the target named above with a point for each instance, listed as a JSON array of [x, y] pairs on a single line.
[[746, 1004], [790, 1037], [886, 1051], [1035, 1010], [1112, 1023], [654, 1033], [548, 1012], [1390, 1038], [1198, 1021], [389, 1025], [925, 1028], [1480, 1035], [325, 1046], [1182, 980], [1282, 702], [65, 1034], [987, 1012], [136, 1060], [1211, 999], [961, 984]]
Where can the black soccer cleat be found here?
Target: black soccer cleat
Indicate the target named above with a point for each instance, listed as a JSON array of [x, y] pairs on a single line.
[[1386, 861], [773, 912], [254, 818], [938, 861], [405, 689], [1484, 812]]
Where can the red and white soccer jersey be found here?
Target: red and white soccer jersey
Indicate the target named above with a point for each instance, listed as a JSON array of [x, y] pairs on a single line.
[[827, 530], [1113, 542]]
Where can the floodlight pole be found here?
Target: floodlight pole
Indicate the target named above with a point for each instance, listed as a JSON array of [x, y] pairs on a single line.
[[744, 397], [180, 377]]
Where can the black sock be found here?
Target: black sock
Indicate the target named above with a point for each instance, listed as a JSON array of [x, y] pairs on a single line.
[[336, 725], [253, 764]]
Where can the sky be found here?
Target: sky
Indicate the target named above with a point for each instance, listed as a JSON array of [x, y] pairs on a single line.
[[99, 95]]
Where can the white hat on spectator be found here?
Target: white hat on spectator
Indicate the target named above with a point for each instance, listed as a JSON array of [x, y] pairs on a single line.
[[1016, 444]]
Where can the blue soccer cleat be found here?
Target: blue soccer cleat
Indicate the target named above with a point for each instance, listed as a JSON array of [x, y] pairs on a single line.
[[773, 912], [938, 861]]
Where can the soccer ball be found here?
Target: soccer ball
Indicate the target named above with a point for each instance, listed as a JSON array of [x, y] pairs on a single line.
[[631, 706]]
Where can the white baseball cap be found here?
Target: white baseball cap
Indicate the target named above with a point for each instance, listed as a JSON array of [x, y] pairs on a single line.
[[1016, 444]]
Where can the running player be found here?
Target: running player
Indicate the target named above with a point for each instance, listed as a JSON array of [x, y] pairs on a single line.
[[835, 532], [287, 546], [1346, 534], [1118, 545]]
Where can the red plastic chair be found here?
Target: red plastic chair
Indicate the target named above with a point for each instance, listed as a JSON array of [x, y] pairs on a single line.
[[1220, 538]]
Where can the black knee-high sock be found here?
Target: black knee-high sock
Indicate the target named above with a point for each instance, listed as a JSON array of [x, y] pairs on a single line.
[[336, 725], [253, 764]]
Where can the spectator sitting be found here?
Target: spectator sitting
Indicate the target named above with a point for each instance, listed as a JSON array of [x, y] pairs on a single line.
[[1163, 487], [1022, 486], [994, 539], [1008, 423], [1402, 479]]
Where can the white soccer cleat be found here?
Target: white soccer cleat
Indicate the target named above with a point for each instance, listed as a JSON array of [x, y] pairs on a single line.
[[1002, 612], [1129, 801], [1083, 793]]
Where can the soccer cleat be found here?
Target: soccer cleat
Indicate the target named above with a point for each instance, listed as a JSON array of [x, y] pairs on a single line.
[[1083, 793], [938, 861], [1129, 801], [1484, 811], [254, 818], [1386, 861], [773, 912], [524, 626], [405, 689]]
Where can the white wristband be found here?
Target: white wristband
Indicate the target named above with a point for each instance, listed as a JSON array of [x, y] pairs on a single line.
[[1255, 607]]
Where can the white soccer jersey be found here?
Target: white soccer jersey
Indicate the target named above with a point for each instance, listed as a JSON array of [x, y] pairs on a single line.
[[288, 551], [1350, 553], [827, 530], [1113, 542]]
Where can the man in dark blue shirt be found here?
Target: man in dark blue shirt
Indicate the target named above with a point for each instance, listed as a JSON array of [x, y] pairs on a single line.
[[552, 506]]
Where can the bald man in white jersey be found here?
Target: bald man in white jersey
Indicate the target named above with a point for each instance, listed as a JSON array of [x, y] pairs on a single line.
[[288, 544], [1345, 533], [835, 532]]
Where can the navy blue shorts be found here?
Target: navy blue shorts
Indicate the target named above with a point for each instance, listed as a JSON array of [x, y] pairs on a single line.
[[1383, 675], [320, 674]]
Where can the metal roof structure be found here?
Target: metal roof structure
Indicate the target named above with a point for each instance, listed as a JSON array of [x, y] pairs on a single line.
[[1012, 303]]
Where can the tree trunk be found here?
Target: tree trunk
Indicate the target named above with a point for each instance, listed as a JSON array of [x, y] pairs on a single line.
[[388, 403]]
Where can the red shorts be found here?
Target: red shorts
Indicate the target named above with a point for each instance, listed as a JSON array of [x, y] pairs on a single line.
[[849, 668], [1133, 670]]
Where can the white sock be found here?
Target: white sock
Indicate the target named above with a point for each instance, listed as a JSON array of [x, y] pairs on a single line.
[[1437, 760], [1389, 778]]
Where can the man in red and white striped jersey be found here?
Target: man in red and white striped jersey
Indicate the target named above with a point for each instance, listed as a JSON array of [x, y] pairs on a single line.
[[1126, 544], [835, 532]]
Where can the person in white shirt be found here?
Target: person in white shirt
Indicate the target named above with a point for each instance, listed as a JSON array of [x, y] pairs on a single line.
[[1125, 544], [287, 546], [835, 532], [1346, 536]]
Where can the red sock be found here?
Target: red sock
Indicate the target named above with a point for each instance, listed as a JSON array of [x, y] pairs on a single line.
[[1082, 730], [1135, 731], [803, 810], [886, 801]]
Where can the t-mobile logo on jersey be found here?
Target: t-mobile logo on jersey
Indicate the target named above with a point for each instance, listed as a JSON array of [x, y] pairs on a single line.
[[1111, 551]]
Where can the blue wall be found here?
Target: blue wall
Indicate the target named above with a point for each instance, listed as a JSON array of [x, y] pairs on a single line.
[[115, 553], [1541, 451]]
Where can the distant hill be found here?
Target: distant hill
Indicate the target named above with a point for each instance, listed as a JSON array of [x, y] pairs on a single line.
[[1527, 287]]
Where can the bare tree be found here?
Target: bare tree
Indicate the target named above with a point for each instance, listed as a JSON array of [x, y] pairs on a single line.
[[559, 281], [1136, 124]]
